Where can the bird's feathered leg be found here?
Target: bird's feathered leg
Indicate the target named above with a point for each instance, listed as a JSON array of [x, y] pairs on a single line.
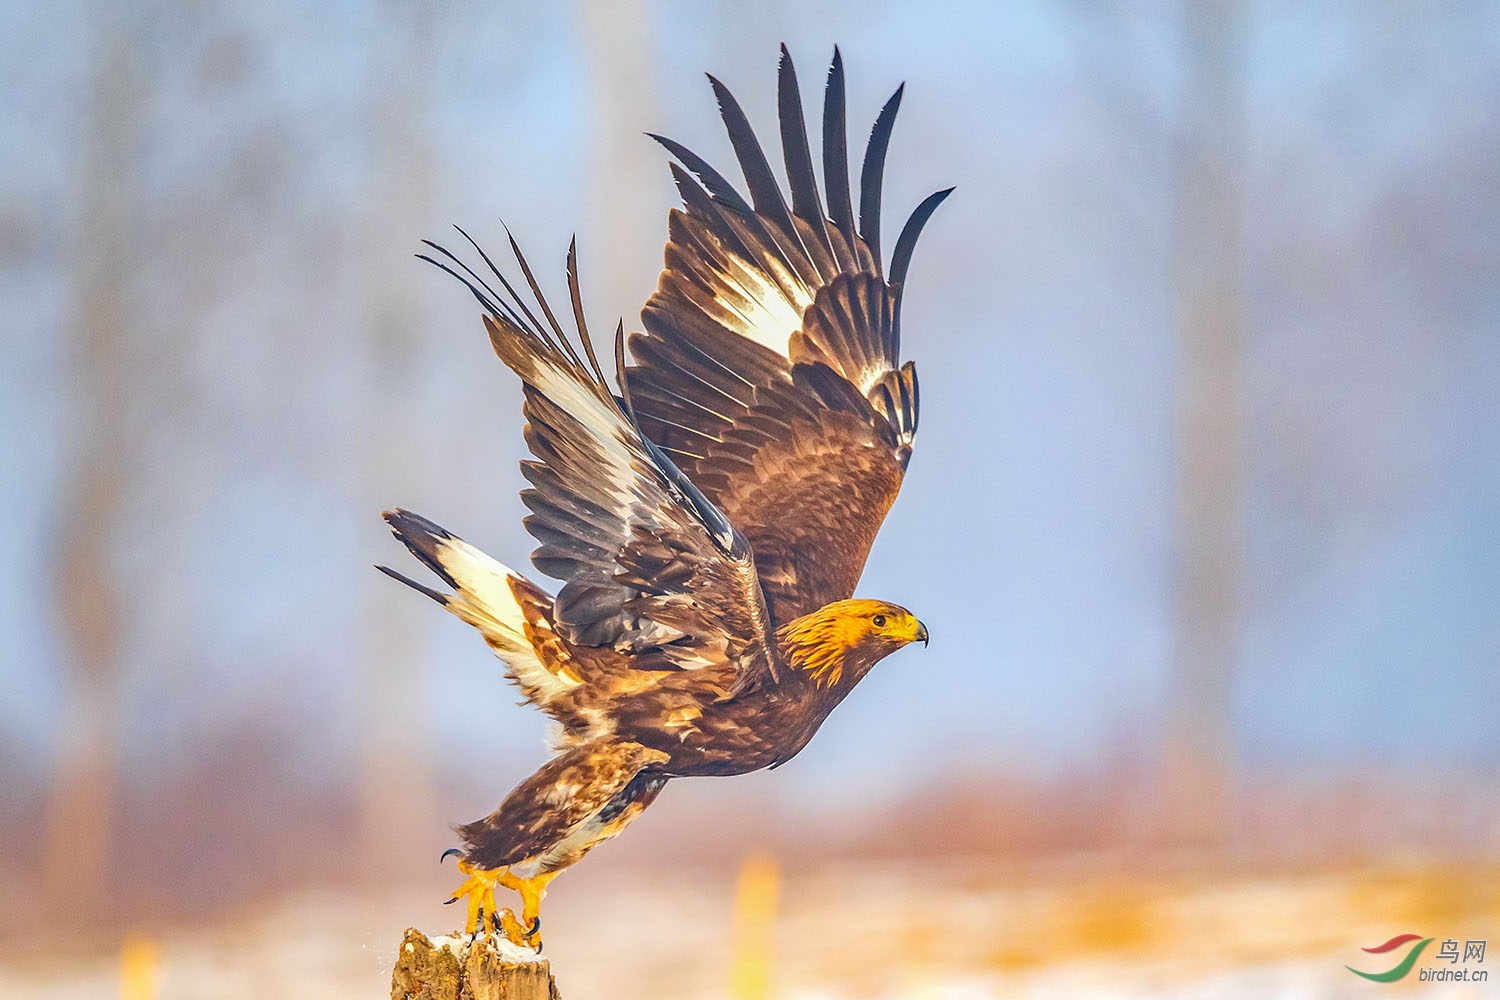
[[574, 802]]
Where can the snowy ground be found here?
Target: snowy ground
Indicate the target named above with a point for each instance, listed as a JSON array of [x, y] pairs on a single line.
[[858, 932]]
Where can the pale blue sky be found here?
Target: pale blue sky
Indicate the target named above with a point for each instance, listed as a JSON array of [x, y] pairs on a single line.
[[1035, 533]]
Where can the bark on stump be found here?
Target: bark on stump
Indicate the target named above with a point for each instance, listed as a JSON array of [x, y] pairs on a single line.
[[454, 968]]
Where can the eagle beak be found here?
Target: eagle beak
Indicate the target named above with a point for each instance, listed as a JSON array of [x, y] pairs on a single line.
[[921, 633]]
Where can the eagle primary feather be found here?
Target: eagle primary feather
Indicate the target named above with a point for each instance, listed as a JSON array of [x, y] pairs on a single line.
[[751, 347], [709, 523]]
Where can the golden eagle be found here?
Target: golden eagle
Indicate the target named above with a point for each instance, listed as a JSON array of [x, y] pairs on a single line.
[[710, 521]]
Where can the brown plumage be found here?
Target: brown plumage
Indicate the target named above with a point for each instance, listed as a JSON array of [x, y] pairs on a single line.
[[770, 367], [710, 523]]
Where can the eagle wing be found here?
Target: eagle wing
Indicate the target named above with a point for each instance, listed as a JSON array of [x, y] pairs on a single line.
[[769, 369], [651, 568]]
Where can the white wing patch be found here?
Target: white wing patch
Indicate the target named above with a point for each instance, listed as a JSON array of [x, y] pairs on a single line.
[[604, 423], [769, 311], [484, 599]]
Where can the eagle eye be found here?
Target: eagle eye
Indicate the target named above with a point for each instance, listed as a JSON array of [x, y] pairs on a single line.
[[879, 621]]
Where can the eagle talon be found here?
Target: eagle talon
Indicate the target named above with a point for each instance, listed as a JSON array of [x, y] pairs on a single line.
[[479, 889], [452, 850]]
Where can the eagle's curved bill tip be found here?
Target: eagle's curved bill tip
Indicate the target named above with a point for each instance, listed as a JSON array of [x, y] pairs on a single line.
[[922, 633]]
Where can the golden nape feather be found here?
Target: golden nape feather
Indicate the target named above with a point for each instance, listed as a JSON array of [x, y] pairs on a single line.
[[847, 636], [707, 510]]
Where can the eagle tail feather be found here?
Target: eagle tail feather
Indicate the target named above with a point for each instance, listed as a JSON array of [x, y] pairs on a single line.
[[486, 594]]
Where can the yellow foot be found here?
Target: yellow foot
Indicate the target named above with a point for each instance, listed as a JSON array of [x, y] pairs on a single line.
[[487, 917], [532, 890], [479, 889]]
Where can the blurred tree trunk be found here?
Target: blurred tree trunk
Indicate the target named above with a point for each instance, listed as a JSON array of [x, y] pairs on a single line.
[[1209, 437], [396, 795], [625, 223], [79, 825]]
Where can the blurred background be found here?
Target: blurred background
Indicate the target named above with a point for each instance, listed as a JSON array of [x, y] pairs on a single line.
[[1204, 519]]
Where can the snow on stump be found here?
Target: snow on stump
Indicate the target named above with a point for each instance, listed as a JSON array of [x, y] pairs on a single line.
[[455, 968]]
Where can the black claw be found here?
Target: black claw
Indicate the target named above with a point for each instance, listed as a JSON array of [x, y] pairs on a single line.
[[449, 902], [536, 927], [451, 850]]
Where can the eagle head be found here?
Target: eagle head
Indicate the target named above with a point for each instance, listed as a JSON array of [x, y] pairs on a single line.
[[847, 637]]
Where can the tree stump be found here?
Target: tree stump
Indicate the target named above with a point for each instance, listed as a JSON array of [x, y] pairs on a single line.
[[456, 968]]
